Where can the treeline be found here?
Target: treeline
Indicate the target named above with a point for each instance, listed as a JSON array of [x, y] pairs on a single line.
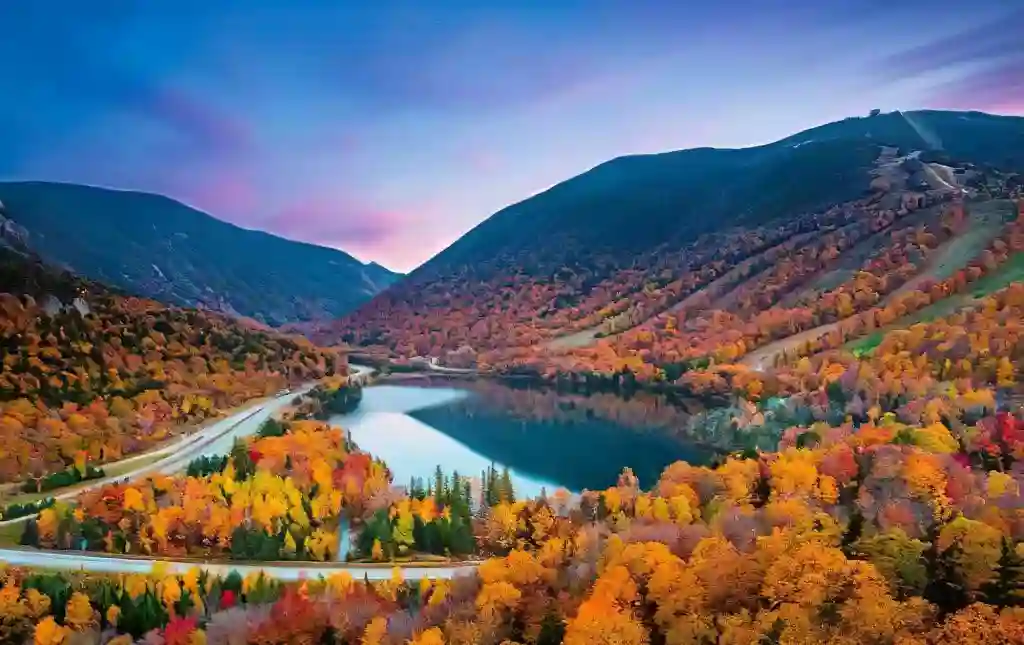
[[87, 369]]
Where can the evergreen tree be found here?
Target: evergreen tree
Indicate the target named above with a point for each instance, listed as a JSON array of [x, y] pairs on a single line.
[[506, 494], [455, 490], [552, 629], [946, 587], [438, 486], [30, 536], [1007, 587], [461, 540], [240, 459]]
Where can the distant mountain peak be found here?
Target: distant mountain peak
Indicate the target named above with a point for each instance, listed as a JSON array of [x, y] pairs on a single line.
[[156, 246]]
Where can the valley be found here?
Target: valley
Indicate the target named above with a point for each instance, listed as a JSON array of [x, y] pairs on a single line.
[[722, 396]]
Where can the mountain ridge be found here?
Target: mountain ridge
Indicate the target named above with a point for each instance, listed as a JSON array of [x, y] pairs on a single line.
[[637, 234], [171, 251], [883, 129]]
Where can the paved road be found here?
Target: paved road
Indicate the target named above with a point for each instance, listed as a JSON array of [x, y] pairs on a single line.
[[215, 439], [75, 561]]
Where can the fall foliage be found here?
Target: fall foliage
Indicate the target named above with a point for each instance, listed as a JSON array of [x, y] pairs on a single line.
[[105, 375]]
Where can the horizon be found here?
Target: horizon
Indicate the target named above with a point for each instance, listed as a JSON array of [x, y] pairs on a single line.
[[523, 199], [417, 144]]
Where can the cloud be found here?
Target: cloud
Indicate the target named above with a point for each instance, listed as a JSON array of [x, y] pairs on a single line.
[[986, 62], [225, 192], [998, 86], [199, 122], [325, 221]]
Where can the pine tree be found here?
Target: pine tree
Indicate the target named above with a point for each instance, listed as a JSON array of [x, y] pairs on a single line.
[[1007, 587], [552, 629], [439, 486], [946, 587], [30, 537], [455, 490], [507, 494], [491, 486]]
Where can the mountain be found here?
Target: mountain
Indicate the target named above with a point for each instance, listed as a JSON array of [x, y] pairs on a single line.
[[88, 369], [635, 202], [615, 246], [155, 246]]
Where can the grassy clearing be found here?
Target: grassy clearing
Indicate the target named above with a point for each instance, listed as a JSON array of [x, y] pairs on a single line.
[[16, 496], [1011, 271], [10, 534], [864, 345]]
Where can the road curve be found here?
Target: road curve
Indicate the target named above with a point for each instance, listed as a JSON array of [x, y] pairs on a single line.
[[95, 563], [215, 439]]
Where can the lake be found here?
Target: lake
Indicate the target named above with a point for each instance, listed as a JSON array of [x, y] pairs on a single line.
[[547, 439]]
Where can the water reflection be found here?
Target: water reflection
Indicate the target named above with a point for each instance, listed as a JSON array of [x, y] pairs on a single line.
[[547, 439]]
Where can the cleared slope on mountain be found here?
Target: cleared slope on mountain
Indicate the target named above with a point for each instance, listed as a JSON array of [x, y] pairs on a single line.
[[640, 201], [638, 235], [161, 248]]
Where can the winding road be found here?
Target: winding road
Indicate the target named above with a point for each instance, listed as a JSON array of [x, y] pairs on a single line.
[[215, 439], [97, 563]]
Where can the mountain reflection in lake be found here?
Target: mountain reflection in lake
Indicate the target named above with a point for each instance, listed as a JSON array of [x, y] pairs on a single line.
[[546, 438]]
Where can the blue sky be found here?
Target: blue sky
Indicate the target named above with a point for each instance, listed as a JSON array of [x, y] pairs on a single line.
[[388, 129]]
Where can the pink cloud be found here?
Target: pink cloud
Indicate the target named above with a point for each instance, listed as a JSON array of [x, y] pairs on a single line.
[[999, 88], [199, 121], [334, 223], [227, 194]]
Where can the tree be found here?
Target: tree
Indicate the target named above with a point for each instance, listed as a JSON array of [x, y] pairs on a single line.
[[1006, 588]]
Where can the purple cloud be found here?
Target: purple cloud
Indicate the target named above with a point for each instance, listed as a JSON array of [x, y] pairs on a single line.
[[978, 44], [198, 121], [987, 61], [338, 223], [1000, 87]]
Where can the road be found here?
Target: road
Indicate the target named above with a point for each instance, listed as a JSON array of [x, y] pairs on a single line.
[[75, 561], [763, 358], [215, 439]]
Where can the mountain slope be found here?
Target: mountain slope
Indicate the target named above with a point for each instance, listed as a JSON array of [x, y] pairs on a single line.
[[632, 203], [87, 372], [158, 247], [636, 236]]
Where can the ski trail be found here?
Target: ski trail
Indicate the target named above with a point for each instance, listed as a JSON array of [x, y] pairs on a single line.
[[929, 137]]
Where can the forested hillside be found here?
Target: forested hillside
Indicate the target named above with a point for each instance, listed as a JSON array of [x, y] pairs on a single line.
[[154, 246], [91, 375], [650, 265], [859, 360]]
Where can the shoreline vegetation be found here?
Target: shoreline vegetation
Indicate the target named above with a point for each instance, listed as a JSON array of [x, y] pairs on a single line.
[[869, 496], [876, 529]]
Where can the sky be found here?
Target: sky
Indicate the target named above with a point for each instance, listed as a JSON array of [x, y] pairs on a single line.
[[388, 129]]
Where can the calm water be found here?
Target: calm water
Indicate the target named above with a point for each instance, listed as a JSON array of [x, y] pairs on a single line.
[[546, 439]]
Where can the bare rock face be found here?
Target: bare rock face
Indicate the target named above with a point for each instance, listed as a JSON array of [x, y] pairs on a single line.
[[12, 234], [881, 184], [81, 306], [51, 305], [912, 164]]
